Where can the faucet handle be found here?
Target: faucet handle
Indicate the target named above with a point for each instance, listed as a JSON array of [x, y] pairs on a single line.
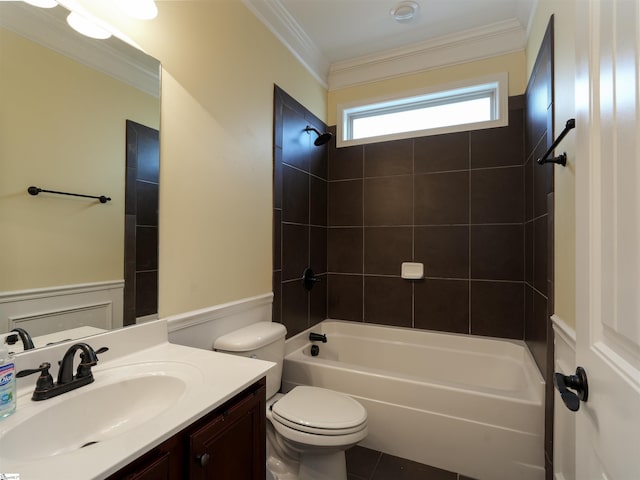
[[45, 380], [94, 360], [84, 368]]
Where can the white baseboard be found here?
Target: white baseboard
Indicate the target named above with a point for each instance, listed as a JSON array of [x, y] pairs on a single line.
[[46, 310], [200, 328], [564, 439]]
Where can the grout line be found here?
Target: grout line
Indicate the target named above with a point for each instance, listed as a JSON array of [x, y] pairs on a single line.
[[375, 466], [344, 180], [413, 229], [515, 224], [456, 279], [538, 217], [335, 227], [326, 232], [304, 171], [305, 224], [364, 158], [536, 290], [308, 237], [350, 274], [281, 226], [414, 174], [497, 167], [373, 177], [469, 329], [524, 251], [496, 280]]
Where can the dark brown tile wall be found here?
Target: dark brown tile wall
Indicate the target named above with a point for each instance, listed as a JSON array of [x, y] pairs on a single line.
[[539, 226], [473, 207], [455, 203], [299, 216]]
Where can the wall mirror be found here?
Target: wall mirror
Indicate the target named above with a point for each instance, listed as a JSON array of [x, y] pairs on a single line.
[[77, 115]]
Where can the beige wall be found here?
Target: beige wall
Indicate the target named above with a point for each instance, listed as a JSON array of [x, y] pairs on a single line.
[[513, 63], [62, 127], [216, 138], [219, 66], [564, 81]]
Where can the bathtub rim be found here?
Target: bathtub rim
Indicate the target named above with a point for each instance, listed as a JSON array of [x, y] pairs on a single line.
[[535, 380]]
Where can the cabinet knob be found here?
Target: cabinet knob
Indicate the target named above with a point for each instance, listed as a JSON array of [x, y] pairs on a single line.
[[203, 459]]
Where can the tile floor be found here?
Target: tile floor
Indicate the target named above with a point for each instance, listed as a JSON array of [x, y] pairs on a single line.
[[367, 464]]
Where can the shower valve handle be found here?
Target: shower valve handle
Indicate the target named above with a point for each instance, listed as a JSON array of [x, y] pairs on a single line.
[[309, 279]]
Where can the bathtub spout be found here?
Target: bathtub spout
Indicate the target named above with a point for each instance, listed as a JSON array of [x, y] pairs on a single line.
[[318, 337]]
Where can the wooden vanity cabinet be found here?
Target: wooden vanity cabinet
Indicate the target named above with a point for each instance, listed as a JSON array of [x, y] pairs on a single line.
[[162, 463], [226, 444], [231, 444]]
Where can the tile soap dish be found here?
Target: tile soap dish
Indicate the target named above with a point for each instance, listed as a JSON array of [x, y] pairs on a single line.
[[412, 271]]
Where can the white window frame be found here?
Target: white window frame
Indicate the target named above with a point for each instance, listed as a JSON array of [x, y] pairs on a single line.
[[496, 85]]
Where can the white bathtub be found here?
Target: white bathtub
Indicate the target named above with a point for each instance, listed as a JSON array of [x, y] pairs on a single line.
[[468, 404]]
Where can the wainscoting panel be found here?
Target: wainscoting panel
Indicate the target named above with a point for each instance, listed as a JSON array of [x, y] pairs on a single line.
[[564, 440], [47, 310], [200, 328]]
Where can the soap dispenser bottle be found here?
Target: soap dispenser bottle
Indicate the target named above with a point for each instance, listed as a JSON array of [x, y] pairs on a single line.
[[7, 378]]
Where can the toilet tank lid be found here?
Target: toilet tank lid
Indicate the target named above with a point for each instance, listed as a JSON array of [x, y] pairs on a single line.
[[254, 336]]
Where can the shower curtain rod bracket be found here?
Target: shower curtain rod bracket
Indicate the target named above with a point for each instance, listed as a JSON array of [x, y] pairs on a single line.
[[559, 160]]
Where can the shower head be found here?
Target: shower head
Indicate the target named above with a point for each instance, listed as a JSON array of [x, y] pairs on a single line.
[[322, 137]]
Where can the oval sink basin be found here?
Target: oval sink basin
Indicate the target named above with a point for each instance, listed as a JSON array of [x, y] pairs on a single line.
[[92, 414]]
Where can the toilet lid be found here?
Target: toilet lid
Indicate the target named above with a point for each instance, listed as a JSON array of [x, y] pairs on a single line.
[[312, 408]]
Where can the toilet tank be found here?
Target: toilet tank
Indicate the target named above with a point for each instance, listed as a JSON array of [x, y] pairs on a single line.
[[262, 340]]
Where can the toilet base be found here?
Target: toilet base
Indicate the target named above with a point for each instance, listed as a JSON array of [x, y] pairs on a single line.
[[277, 470], [327, 466], [321, 464]]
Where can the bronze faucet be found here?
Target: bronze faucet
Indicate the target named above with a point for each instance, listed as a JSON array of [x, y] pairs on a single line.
[[67, 381], [25, 338]]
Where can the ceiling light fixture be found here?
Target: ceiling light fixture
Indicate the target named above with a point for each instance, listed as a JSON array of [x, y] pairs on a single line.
[[81, 25], [42, 3], [405, 11], [142, 9]]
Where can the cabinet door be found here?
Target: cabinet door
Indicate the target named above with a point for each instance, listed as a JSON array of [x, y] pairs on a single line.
[[231, 446], [162, 463], [157, 470]]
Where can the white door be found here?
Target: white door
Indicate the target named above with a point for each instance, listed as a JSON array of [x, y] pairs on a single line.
[[608, 237]]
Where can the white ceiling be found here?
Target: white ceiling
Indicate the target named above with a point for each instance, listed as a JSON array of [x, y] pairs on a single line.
[[332, 36]]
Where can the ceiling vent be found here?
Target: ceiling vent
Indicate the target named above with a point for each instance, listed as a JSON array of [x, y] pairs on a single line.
[[405, 11]]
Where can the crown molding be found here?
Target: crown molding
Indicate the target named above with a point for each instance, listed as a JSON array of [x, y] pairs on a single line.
[[112, 56], [475, 44], [280, 22]]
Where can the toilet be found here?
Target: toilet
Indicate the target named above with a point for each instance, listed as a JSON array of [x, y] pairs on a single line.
[[308, 428]]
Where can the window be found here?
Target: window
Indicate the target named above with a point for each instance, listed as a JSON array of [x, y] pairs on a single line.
[[475, 104]]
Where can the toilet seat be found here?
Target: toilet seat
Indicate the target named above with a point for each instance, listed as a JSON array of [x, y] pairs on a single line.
[[319, 411]]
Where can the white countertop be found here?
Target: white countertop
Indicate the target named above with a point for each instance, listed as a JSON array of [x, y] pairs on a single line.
[[218, 377]]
